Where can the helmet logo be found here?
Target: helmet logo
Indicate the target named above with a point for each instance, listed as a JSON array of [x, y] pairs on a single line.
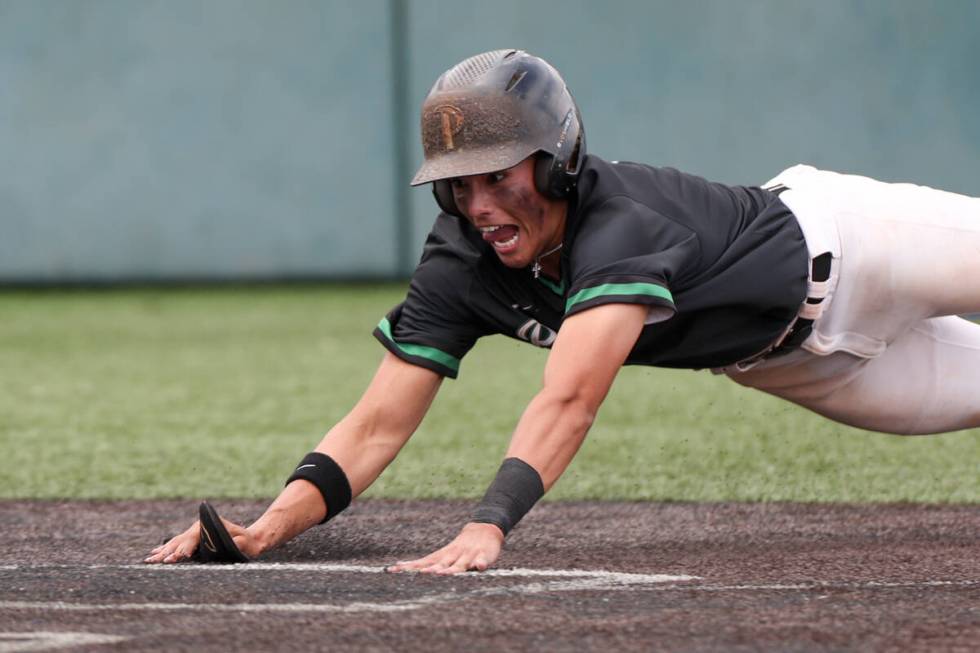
[[452, 123], [566, 123]]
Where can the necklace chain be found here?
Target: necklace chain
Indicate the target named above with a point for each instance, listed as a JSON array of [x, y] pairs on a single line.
[[536, 268]]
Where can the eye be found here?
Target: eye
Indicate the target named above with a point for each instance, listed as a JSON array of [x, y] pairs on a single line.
[[457, 183], [497, 176]]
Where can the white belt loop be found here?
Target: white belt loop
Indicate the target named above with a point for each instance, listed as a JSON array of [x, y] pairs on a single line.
[[811, 311], [818, 289]]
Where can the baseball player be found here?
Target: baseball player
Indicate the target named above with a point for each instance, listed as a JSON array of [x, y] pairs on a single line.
[[836, 292]]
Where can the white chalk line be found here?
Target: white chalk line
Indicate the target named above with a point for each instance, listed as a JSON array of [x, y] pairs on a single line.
[[582, 584], [598, 575], [819, 585], [571, 580], [46, 641], [574, 580], [601, 575]]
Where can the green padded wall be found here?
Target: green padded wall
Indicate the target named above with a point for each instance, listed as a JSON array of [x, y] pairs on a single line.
[[224, 139]]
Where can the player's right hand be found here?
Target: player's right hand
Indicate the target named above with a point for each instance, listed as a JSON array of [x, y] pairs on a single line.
[[182, 547], [178, 548]]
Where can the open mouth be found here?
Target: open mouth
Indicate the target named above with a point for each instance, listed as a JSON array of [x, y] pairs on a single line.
[[503, 237]]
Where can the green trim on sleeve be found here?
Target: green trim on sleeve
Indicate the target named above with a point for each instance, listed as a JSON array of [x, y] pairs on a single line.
[[433, 354], [651, 289]]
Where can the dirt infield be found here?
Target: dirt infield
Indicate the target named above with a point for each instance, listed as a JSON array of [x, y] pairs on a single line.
[[574, 576]]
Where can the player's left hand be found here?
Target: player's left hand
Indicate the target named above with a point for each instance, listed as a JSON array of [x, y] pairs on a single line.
[[475, 548]]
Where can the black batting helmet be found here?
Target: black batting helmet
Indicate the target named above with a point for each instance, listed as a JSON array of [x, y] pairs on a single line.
[[492, 111]]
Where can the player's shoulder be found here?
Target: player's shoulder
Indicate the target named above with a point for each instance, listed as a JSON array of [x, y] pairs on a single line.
[[624, 200], [623, 220], [645, 184]]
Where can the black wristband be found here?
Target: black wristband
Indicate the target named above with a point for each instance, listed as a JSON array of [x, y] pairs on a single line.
[[321, 470], [516, 488]]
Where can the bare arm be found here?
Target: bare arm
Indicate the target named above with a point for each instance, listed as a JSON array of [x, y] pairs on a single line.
[[363, 443], [588, 353]]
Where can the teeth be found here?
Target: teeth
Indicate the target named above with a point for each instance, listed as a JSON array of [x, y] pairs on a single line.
[[488, 230], [507, 243]]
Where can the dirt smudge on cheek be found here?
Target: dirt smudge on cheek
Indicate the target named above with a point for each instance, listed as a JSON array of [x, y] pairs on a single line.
[[522, 204]]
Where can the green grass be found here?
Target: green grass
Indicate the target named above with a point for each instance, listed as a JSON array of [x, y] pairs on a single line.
[[217, 392]]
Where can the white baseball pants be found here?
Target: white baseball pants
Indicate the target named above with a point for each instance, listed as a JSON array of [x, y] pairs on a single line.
[[888, 353]]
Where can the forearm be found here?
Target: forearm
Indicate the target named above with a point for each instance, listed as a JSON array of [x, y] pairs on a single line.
[[361, 452], [362, 445], [550, 432], [547, 438], [299, 507], [583, 363]]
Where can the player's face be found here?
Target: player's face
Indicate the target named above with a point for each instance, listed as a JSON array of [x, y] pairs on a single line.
[[518, 221]]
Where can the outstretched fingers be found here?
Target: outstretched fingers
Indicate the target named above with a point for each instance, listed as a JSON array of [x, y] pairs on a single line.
[[455, 563], [178, 548], [426, 564], [183, 551], [464, 563], [474, 549]]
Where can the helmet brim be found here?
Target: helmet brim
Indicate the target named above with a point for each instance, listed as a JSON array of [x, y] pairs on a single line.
[[474, 162]]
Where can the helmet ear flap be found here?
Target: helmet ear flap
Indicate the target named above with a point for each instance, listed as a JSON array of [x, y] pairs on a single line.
[[544, 176], [555, 175], [443, 192]]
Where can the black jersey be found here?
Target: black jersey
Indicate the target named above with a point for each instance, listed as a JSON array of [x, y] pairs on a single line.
[[723, 270]]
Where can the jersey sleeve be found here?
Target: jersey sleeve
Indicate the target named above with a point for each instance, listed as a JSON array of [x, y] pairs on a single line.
[[434, 327], [627, 253]]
